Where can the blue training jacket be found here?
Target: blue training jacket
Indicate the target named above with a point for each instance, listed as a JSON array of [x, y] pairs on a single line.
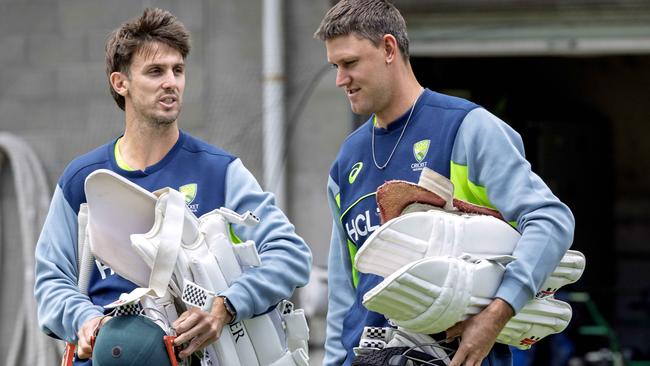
[[218, 179], [485, 160]]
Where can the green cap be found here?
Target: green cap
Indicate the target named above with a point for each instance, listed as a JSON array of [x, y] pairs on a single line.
[[130, 340]]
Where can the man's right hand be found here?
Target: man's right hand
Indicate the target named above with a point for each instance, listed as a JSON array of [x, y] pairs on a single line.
[[85, 334], [199, 328], [479, 332]]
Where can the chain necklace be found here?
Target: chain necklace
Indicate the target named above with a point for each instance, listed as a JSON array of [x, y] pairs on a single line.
[[374, 158]]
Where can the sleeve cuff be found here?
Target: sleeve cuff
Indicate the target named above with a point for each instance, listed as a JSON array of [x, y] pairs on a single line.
[[514, 293], [238, 300], [92, 312]]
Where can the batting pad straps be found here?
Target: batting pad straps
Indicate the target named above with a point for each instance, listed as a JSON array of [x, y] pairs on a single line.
[[246, 254], [197, 296], [169, 239]]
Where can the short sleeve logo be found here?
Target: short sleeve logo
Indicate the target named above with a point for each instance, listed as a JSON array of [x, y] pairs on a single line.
[[356, 168], [420, 150]]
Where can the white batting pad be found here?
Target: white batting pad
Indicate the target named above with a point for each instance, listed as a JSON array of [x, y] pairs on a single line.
[[155, 241], [432, 294], [118, 208], [249, 342], [414, 236], [417, 235]]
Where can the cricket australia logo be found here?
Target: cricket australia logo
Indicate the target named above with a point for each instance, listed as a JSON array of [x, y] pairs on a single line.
[[189, 191], [420, 150], [356, 168]]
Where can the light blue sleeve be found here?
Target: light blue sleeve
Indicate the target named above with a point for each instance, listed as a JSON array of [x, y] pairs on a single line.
[[340, 289], [62, 309], [494, 155], [286, 258]]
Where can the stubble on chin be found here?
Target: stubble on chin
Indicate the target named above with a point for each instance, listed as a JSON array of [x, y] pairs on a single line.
[[161, 122]]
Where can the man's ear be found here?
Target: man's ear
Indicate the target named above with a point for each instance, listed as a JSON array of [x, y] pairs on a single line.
[[389, 43], [120, 83]]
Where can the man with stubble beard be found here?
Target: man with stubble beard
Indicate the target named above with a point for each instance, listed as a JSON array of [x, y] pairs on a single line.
[[145, 65], [412, 127]]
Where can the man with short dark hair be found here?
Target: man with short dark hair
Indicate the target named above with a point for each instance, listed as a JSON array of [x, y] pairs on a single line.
[[412, 128], [145, 65]]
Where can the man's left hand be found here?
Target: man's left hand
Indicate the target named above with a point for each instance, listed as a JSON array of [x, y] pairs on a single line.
[[199, 327], [479, 333]]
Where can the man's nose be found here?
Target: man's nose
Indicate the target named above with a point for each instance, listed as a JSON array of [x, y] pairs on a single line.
[[342, 78], [169, 81]]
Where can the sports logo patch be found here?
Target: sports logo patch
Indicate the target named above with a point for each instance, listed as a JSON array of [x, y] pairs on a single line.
[[420, 150], [356, 168], [529, 341], [189, 191]]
